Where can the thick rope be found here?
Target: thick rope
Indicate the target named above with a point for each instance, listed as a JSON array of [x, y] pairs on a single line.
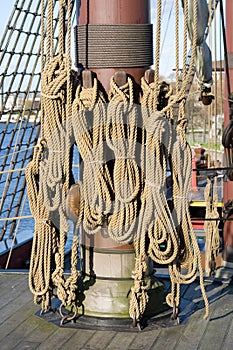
[[171, 236], [123, 119], [189, 257], [139, 297], [53, 167], [40, 272], [155, 217], [211, 227], [140, 211], [89, 125]]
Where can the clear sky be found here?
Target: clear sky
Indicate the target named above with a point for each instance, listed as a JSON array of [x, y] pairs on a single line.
[[8, 5], [5, 12], [167, 64]]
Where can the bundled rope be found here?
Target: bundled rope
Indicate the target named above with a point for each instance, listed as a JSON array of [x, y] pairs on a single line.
[[47, 197], [139, 297], [134, 202], [189, 257], [155, 217], [169, 229], [44, 234], [122, 123], [89, 125], [211, 226], [55, 168]]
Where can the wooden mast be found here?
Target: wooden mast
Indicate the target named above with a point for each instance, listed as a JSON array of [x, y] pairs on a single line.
[[112, 262], [94, 12], [228, 185], [114, 12]]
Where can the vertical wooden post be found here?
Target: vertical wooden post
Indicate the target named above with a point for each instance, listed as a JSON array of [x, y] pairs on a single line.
[[228, 185], [194, 175], [112, 262], [115, 12]]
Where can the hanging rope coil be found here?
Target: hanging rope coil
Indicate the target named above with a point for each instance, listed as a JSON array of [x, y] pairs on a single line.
[[171, 236], [40, 273], [89, 125], [47, 196], [55, 168], [189, 257], [155, 217], [132, 201], [122, 138], [211, 227], [122, 123]]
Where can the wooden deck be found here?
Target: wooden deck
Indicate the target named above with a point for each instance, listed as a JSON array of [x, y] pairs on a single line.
[[21, 328]]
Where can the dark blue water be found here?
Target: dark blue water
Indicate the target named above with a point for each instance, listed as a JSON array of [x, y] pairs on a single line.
[[16, 145], [16, 149]]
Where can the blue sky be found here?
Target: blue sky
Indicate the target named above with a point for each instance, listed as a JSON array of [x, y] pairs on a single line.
[[167, 44], [5, 12], [8, 5]]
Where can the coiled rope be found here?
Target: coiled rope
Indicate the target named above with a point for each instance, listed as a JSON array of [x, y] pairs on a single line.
[[123, 118], [52, 164], [44, 233], [89, 125], [134, 201], [211, 226], [169, 229]]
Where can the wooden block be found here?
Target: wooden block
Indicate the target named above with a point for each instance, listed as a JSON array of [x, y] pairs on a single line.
[[120, 77], [87, 79], [149, 76]]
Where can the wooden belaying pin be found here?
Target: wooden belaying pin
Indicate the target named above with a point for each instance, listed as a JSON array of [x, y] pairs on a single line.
[[87, 79], [120, 77], [149, 76]]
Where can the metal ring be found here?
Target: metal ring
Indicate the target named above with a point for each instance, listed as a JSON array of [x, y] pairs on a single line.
[[68, 317]]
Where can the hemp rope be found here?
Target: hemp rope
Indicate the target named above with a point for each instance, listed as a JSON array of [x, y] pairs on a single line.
[[89, 125], [181, 248], [122, 122], [53, 168], [40, 273], [211, 226], [155, 217]]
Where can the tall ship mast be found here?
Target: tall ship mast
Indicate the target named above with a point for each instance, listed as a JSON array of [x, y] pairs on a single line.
[[95, 149]]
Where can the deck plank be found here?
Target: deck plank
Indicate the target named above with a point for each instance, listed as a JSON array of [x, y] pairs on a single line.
[[21, 329], [56, 340], [193, 332], [144, 340], [228, 341], [214, 335], [27, 345], [17, 317], [78, 340], [168, 338], [12, 290], [19, 333], [100, 340], [15, 304], [121, 341]]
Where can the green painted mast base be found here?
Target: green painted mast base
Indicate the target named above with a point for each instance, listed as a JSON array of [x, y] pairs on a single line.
[[110, 284]]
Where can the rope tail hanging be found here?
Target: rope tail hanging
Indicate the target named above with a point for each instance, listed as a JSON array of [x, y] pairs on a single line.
[[155, 218], [171, 236], [123, 118], [52, 164], [89, 125], [211, 226], [44, 234], [133, 201], [190, 257]]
